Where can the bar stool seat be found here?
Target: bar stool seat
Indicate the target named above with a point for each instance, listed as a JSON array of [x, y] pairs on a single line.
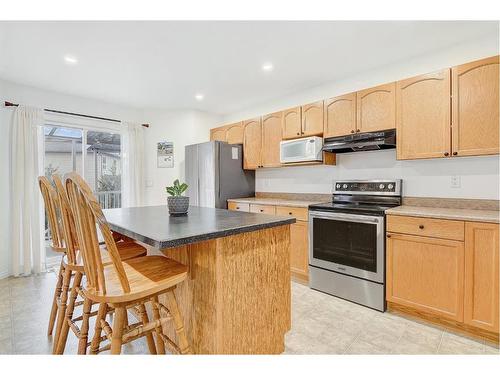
[[147, 276]]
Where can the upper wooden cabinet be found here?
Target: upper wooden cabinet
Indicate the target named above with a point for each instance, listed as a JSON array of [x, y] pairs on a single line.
[[481, 275], [475, 116], [426, 274], [376, 108], [218, 134], [340, 115], [312, 119], [234, 133], [271, 138], [292, 126], [423, 116], [252, 143]]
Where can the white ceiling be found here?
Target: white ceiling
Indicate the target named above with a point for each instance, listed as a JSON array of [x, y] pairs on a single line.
[[163, 64]]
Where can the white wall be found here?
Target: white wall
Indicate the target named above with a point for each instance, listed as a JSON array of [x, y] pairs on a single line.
[[424, 178], [180, 127]]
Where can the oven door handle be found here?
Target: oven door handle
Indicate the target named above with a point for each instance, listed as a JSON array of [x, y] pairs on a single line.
[[347, 217]]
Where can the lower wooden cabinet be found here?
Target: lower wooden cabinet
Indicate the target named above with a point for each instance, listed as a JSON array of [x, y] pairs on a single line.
[[481, 275], [426, 273], [448, 272], [299, 233]]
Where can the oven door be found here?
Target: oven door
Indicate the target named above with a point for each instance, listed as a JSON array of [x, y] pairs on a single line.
[[347, 243]]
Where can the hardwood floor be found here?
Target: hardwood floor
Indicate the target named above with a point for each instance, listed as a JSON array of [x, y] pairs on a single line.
[[321, 324]]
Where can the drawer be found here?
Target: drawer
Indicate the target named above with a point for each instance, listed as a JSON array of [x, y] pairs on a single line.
[[236, 206], [263, 209], [300, 213], [422, 226]]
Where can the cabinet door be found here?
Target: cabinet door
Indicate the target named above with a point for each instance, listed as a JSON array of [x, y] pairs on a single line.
[[299, 256], [234, 133], [218, 134], [252, 143], [292, 127], [271, 138], [340, 115], [423, 116], [312, 119], [426, 274], [475, 108], [376, 108], [481, 275]]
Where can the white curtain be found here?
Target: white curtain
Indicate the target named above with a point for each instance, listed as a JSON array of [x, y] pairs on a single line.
[[28, 254], [133, 165]]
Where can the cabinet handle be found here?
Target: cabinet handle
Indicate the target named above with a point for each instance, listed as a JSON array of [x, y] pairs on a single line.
[[455, 153], [237, 208], [352, 131], [289, 213], [388, 236], [446, 153], [261, 210], [357, 130], [298, 133], [421, 226]]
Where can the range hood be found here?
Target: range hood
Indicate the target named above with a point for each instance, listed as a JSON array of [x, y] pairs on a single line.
[[361, 142]]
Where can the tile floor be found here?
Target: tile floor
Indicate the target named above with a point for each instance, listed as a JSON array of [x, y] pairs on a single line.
[[321, 324]]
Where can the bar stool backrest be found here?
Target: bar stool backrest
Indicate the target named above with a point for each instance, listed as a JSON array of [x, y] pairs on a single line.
[[51, 203], [87, 213]]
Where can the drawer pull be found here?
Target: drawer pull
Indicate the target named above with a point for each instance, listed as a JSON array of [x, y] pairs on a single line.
[[237, 208], [421, 226], [388, 236], [289, 213], [261, 210]]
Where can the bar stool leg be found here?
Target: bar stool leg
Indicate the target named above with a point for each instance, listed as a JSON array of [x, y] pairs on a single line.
[[84, 331], [145, 320], [63, 337], [178, 323], [61, 313], [57, 294], [118, 325], [96, 340], [160, 345]]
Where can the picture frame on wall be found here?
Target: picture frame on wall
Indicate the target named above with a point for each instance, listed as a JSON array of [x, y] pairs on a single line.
[[165, 154]]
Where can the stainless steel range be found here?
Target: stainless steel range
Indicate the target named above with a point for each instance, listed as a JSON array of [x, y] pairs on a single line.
[[347, 241]]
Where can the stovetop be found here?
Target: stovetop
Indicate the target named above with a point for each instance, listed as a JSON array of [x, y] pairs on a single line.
[[357, 208]]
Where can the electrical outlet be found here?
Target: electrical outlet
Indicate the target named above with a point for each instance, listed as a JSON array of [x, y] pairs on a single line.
[[149, 183], [455, 181]]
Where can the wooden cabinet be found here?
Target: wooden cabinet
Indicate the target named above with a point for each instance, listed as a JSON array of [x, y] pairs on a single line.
[[428, 227], [475, 115], [271, 138], [312, 119], [292, 125], [340, 115], [236, 206], [234, 133], [263, 209], [218, 134], [299, 213], [426, 274], [252, 143], [376, 108], [481, 275], [299, 255], [423, 116]]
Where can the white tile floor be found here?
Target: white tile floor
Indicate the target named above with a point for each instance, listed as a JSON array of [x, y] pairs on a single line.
[[321, 324]]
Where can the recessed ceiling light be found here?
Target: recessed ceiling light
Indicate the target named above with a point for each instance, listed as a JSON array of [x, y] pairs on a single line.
[[70, 60], [267, 67], [199, 97]]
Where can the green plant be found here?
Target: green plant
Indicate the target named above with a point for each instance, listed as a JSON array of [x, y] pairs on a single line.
[[177, 189]]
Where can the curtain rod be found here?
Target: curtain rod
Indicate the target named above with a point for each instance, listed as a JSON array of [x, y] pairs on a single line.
[[9, 104]]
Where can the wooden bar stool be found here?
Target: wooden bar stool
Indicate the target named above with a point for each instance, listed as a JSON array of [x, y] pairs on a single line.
[[73, 269], [126, 284]]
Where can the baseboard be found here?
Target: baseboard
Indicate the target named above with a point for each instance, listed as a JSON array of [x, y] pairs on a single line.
[[4, 274], [449, 324]]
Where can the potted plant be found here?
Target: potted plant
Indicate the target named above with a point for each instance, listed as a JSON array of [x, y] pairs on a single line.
[[177, 204]]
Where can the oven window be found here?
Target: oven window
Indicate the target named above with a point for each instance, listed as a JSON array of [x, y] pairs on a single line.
[[345, 242]]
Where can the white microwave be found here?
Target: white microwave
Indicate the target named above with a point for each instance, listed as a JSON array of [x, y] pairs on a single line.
[[301, 150]]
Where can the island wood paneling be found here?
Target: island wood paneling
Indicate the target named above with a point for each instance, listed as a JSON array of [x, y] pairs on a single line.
[[237, 298]]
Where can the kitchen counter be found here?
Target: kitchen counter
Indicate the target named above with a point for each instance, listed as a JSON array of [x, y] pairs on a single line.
[[488, 216], [154, 226], [276, 201], [237, 296]]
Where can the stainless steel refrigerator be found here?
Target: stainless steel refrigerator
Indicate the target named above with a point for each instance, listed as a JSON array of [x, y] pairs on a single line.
[[214, 173]]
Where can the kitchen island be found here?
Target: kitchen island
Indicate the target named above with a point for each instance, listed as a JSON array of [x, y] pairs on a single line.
[[236, 299]]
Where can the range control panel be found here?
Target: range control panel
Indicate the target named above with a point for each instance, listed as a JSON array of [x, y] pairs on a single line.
[[385, 187]]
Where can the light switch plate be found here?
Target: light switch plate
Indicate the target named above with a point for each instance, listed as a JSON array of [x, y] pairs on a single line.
[[455, 181]]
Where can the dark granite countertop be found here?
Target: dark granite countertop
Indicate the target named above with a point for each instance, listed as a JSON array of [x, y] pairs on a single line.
[[153, 225]]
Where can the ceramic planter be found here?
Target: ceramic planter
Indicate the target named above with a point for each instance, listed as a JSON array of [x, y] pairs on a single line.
[[178, 206]]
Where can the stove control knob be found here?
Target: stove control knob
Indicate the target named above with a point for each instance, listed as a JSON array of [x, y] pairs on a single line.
[[338, 186], [344, 186], [390, 186], [381, 186]]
